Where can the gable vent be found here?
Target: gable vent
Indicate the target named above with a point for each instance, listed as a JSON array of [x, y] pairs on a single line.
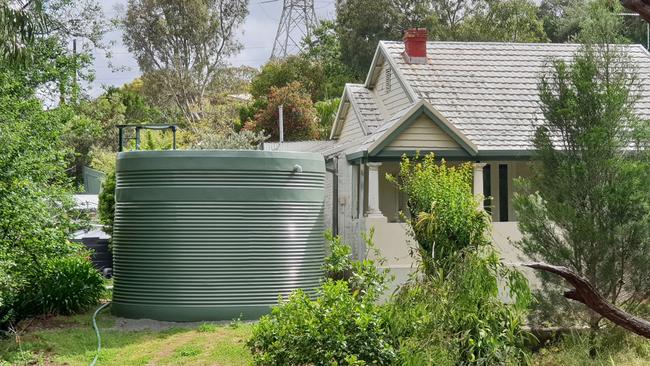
[[388, 80]]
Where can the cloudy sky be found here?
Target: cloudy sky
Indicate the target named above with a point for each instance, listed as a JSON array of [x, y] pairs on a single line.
[[257, 35]]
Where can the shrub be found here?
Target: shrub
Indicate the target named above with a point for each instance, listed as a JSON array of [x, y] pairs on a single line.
[[453, 313], [339, 327], [460, 318], [444, 215], [64, 285], [343, 326], [106, 208], [298, 110], [362, 276]]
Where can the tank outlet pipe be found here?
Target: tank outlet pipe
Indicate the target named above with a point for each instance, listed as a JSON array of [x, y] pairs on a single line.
[[297, 168]]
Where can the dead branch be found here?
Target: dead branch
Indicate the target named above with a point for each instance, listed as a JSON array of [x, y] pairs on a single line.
[[642, 7], [585, 293]]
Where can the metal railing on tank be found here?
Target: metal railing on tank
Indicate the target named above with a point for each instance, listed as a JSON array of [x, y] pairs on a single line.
[[138, 128]]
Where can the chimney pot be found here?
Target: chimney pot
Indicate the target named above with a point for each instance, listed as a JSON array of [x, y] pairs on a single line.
[[415, 45]]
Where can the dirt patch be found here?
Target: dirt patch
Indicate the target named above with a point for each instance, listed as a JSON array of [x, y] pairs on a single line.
[[46, 322], [124, 324]]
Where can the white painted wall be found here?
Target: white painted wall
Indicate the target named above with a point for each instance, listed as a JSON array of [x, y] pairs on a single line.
[[393, 100], [351, 127]]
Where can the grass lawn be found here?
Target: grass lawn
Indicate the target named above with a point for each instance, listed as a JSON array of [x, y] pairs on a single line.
[[614, 347], [71, 341]]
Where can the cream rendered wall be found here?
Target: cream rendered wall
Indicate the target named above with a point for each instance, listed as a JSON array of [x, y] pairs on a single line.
[[388, 192], [393, 100]]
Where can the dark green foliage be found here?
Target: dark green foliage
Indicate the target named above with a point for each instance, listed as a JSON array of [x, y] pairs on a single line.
[[504, 21], [36, 207], [344, 325], [63, 285], [362, 276], [453, 312], [336, 328], [460, 318], [361, 24], [280, 73], [323, 47], [586, 205], [19, 26], [106, 209]]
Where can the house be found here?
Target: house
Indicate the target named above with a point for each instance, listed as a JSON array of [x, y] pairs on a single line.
[[465, 102]]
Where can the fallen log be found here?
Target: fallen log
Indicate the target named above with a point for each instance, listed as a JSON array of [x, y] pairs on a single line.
[[585, 293]]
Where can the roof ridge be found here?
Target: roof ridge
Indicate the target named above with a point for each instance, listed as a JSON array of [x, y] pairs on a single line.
[[552, 44]]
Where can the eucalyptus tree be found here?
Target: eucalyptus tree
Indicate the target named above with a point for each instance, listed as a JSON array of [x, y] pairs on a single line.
[[20, 22], [587, 204], [181, 45]]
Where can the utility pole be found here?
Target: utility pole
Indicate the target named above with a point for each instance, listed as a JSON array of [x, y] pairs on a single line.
[[297, 22], [281, 122]]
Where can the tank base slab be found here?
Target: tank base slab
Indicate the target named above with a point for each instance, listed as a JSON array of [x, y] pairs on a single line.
[[189, 313]]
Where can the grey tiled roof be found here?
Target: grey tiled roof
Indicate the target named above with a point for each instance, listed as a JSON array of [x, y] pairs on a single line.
[[382, 130], [489, 90], [365, 104]]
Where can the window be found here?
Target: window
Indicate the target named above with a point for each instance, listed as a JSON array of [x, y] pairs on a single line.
[[503, 192], [388, 79]]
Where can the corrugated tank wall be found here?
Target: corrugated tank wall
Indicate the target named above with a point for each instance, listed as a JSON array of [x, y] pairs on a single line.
[[215, 235]]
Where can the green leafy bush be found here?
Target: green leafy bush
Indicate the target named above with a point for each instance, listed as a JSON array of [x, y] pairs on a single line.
[[64, 285], [443, 214], [460, 318], [339, 327], [362, 276], [106, 208], [343, 326], [37, 212], [466, 307]]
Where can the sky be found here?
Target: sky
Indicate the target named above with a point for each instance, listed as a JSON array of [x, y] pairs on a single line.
[[256, 35]]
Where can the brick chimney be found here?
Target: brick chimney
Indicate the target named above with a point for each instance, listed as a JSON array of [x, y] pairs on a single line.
[[415, 46]]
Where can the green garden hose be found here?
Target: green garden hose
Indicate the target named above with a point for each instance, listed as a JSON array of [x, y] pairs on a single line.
[[99, 338]]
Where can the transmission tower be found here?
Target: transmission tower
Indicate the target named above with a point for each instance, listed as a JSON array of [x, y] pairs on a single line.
[[297, 22]]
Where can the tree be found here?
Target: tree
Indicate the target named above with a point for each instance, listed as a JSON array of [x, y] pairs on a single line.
[[504, 21], [36, 206], [449, 312], [639, 6], [279, 73], [298, 111], [326, 110], [450, 15], [183, 45], [20, 22], [361, 24], [323, 46], [587, 204], [561, 18]]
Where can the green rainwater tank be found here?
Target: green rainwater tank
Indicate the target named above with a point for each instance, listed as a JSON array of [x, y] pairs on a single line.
[[215, 234]]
